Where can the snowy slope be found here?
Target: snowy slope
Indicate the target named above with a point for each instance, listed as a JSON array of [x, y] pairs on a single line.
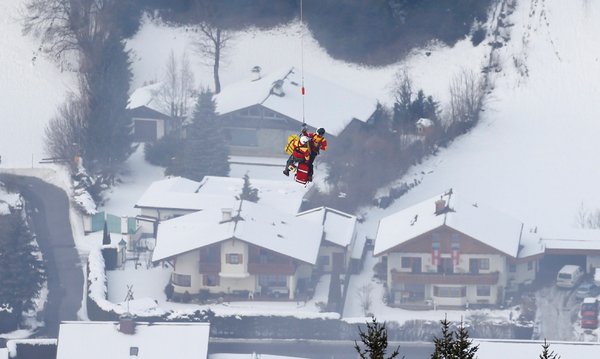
[[534, 155], [32, 87]]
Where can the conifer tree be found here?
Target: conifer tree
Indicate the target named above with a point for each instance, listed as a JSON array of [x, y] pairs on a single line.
[[105, 79], [204, 150], [546, 353], [463, 346], [375, 342], [22, 272], [248, 192], [444, 345]]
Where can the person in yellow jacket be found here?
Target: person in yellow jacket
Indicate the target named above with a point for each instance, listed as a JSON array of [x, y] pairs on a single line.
[[301, 153], [318, 143]]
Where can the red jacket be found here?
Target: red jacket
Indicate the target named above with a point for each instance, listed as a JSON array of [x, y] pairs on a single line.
[[318, 142]]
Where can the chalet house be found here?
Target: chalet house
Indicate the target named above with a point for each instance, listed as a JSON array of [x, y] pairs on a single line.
[[258, 115], [249, 250], [150, 121], [424, 126], [176, 196], [128, 339], [451, 252], [339, 238]]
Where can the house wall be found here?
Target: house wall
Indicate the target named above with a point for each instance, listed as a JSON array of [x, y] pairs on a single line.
[[232, 277], [592, 262], [470, 248], [234, 247], [521, 273], [326, 251], [258, 131]]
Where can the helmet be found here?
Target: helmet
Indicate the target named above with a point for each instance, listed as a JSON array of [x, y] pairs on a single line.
[[303, 140], [321, 131]]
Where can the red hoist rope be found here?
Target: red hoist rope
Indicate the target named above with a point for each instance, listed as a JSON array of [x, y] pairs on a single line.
[[302, 59]]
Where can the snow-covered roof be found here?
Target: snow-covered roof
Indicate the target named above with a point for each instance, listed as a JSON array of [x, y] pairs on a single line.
[[282, 195], [146, 96], [262, 226], [339, 227], [482, 223], [425, 122], [102, 340], [531, 244], [587, 239], [220, 192], [526, 349], [3, 353], [181, 193], [326, 104]]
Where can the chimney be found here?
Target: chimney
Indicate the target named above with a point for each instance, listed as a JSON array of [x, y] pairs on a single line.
[[227, 214], [277, 88], [126, 325], [440, 206]]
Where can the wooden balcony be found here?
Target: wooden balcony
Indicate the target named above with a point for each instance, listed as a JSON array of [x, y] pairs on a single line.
[[272, 268], [445, 278], [209, 268]]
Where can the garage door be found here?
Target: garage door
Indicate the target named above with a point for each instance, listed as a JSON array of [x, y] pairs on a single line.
[[145, 131]]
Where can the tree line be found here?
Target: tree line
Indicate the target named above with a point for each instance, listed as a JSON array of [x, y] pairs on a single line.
[[453, 343]]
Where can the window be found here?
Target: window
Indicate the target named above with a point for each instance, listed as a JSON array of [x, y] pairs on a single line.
[[210, 280], [233, 258], [449, 292], [484, 290], [133, 351], [477, 264], [324, 260], [530, 265], [272, 280], [512, 268], [414, 263], [181, 280]]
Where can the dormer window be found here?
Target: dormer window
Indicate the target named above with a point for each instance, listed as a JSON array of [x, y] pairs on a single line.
[[133, 351]]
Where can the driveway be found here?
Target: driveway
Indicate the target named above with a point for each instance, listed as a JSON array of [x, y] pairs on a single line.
[[556, 314], [48, 209]]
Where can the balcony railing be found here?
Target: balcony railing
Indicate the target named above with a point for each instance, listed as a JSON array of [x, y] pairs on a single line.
[[445, 278], [271, 268]]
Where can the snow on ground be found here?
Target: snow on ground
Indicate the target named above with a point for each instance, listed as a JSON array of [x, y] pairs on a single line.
[[32, 88], [533, 154], [430, 68], [133, 181], [247, 356], [150, 282]]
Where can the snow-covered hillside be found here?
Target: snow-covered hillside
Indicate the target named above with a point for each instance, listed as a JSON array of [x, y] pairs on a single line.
[[535, 154], [31, 89]]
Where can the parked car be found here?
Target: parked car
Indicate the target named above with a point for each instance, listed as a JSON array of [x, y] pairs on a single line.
[[589, 307], [589, 313], [587, 289], [569, 276]]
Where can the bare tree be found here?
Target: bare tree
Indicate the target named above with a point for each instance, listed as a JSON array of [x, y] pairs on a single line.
[[66, 132], [467, 92], [587, 219], [69, 25], [177, 87], [211, 45]]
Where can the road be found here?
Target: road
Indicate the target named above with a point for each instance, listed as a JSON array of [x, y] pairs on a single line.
[[311, 349], [48, 208]]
